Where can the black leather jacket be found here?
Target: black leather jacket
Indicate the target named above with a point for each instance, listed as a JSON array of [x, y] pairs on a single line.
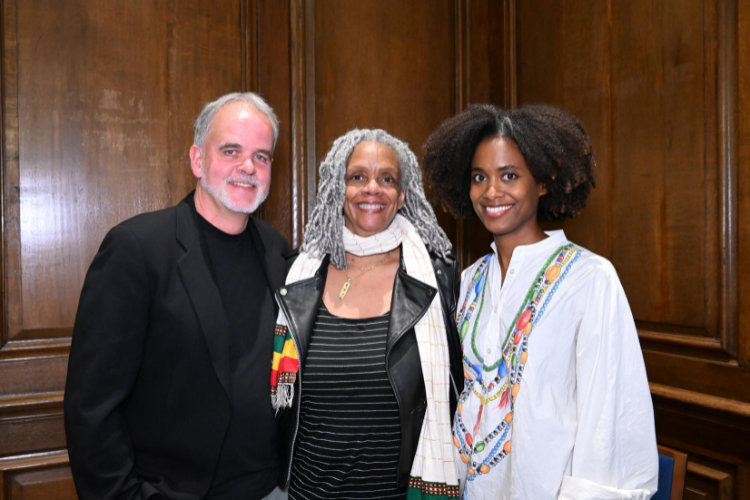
[[411, 298]]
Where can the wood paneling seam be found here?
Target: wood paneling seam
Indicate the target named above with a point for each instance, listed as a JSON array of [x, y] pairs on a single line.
[[729, 175], [699, 399]]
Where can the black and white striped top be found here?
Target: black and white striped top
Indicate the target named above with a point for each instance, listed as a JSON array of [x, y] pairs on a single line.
[[349, 436]]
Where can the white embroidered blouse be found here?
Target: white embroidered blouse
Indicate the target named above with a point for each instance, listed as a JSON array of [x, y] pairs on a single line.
[[567, 413]]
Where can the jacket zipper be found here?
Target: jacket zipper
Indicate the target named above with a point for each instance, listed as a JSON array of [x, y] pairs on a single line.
[[299, 402]]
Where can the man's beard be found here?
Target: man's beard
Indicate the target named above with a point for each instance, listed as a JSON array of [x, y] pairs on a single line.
[[220, 192]]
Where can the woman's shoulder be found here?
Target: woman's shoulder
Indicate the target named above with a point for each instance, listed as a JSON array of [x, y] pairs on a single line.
[[446, 268], [594, 265], [448, 260], [593, 275], [293, 255]]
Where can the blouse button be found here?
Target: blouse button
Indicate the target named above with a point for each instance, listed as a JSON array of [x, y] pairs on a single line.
[[511, 271], [282, 292], [489, 351]]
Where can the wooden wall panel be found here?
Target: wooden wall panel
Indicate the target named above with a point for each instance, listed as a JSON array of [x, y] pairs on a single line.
[[488, 30], [377, 67], [99, 100], [111, 140], [743, 60], [41, 476], [274, 84], [204, 61], [52, 484], [31, 423], [626, 69], [81, 146], [655, 84]]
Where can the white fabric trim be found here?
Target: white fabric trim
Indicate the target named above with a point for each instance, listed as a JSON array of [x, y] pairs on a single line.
[[577, 488]]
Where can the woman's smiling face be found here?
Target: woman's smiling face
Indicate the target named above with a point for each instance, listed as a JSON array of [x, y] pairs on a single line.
[[503, 191], [373, 189]]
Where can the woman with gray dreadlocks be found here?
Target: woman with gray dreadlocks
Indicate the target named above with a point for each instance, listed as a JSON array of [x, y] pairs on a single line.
[[367, 361]]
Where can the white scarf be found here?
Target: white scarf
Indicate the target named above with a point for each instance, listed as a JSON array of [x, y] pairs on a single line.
[[433, 471]]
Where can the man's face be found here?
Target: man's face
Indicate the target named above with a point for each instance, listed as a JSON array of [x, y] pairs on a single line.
[[234, 164]]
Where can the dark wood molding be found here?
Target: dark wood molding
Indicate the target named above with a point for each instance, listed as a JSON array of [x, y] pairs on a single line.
[[31, 423], [698, 399], [11, 193], [249, 47], [40, 348], [302, 34], [5, 11], [299, 116], [311, 169], [33, 461], [511, 54], [13, 466], [724, 483], [249, 53], [302, 17], [728, 172], [462, 33], [683, 344], [27, 405]]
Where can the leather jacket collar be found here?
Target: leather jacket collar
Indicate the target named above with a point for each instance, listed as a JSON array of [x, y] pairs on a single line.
[[300, 302], [411, 298]]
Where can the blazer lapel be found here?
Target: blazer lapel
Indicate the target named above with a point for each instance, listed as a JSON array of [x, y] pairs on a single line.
[[204, 295]]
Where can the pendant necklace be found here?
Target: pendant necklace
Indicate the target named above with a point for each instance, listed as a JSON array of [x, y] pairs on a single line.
[[349, 280]]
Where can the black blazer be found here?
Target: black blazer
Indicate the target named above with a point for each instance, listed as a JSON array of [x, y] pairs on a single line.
[[147, 399], [411, 298]]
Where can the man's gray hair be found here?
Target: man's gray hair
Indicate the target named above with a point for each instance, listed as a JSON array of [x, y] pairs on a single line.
[[250, 99], [324, 233]]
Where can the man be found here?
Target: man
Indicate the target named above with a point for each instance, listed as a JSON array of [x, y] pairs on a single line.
[[167, 391]]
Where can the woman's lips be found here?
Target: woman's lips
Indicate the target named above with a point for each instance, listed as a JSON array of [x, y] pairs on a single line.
[[496, 211], [370, 207]]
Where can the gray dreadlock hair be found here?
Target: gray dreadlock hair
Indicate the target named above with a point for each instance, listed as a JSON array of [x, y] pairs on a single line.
[[324, 232]]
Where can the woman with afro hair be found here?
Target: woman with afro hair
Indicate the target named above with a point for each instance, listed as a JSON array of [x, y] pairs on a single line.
[[556, 403]]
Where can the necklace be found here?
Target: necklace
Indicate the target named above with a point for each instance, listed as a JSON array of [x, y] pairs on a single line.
[[349, 280]]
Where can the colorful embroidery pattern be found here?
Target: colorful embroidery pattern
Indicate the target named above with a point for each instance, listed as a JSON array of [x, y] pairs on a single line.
[[419, 489], [510, 365], [477, 286], [285, 364]]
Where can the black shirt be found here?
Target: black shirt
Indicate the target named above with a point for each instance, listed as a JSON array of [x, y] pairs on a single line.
[[349, 439], [248, 464]]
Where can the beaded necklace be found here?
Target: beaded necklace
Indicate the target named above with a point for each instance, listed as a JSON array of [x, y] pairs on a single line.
[[513, 358]]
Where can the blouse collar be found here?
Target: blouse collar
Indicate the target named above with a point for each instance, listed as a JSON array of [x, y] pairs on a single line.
[[554, 240]]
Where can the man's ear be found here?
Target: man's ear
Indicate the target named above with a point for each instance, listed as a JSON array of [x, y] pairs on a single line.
[[196, 157]]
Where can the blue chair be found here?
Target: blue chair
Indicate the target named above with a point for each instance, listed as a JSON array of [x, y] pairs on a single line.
[[672, 468]]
